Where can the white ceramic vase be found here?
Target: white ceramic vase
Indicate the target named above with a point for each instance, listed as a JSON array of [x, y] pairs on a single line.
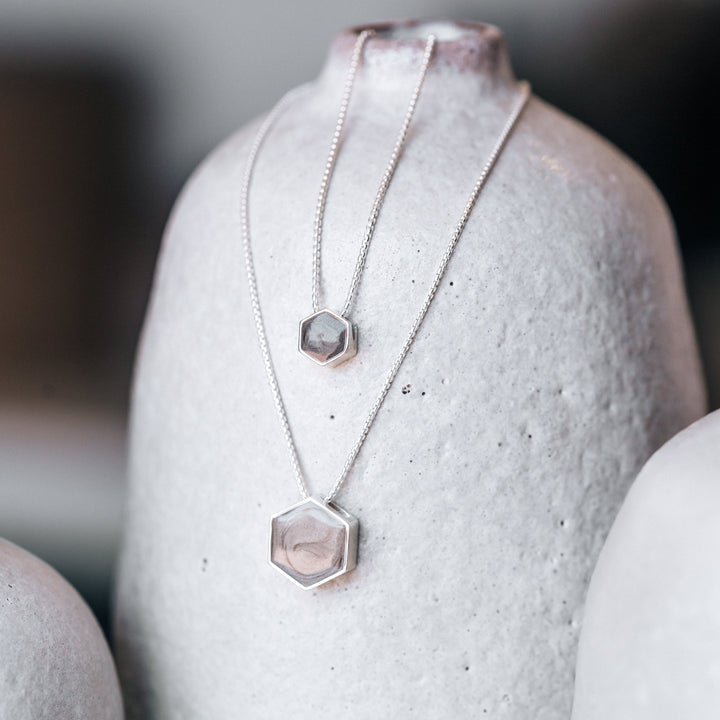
[[557, 356]]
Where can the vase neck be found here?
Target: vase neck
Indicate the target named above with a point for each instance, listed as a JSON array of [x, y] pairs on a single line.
[[475, 52]]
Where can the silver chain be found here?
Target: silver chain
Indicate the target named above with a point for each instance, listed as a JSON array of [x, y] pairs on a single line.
[[384, 182], [265, 127]]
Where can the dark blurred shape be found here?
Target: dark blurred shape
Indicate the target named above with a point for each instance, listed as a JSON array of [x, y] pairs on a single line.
[[77, 235], [56, 179], [67, 203]]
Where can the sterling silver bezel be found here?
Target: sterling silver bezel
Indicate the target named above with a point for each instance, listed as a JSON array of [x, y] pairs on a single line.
[[351, 537], [348, 351]]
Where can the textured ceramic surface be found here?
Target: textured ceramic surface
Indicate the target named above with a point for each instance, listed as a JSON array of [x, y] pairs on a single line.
[[54, 661], [556, 357], [649, 645]]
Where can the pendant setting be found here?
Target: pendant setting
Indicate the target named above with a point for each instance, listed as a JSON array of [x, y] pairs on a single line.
[[313, 542], [327, 338]]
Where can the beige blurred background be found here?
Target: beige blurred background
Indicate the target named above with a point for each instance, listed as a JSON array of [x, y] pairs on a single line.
[[105, 107]]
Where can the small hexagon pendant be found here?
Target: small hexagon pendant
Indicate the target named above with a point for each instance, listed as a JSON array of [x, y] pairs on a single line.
[[313, 542], [327, 338]]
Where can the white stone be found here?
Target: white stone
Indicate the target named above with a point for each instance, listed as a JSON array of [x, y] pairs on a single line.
[[54, 661], [557, 356], [650, 639]]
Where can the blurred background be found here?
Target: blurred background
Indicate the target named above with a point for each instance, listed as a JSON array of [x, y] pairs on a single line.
[[107, 105]]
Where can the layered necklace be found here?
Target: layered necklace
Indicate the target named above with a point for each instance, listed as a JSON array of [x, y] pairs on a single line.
[[315, 540]]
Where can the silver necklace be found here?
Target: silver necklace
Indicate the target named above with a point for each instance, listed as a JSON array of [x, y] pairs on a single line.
[[326, 337], [315, 540]]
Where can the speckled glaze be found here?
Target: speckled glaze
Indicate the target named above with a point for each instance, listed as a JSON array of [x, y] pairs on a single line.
[[556, 357], [54, 661]]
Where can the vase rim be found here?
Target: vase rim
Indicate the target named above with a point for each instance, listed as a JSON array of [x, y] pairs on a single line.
[[470, 46]]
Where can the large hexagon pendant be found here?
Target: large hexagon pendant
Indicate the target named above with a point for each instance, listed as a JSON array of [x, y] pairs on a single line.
[[327, 338], [313, 542]]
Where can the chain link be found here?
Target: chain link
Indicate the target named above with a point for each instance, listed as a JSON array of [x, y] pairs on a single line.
[[384, 182], [330, 162], [262, 133]]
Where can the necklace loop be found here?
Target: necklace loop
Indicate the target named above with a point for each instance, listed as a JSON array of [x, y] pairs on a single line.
[[330, 162], [315, 540], [326, 337], [262, 133]]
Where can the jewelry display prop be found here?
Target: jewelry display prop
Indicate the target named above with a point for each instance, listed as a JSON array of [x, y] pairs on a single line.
[[651, 628], [558, 354], [326, 337], [54, 660], [315, 541]]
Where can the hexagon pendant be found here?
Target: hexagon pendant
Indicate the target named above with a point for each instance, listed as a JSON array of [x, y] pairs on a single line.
[[327, 338], [313, 542]]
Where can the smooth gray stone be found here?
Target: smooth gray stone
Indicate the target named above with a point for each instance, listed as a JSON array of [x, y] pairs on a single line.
[[54, 661], [323, 337]]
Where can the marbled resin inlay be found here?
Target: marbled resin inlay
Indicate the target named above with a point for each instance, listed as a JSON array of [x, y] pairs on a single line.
[[327, 338], [310, 542]]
